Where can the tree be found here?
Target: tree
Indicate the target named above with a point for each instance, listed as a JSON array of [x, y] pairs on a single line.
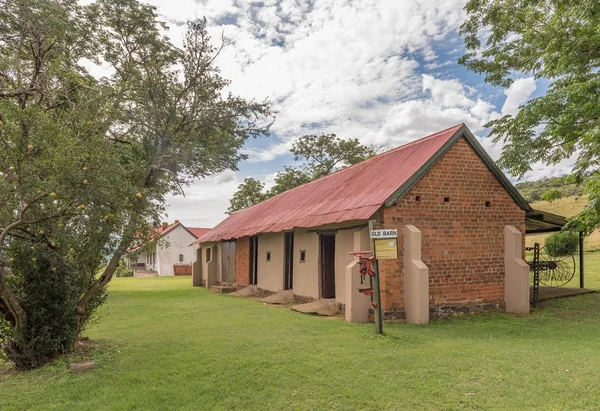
[[85, 164], [250, 192], [324, 154], [552, 194], [562, 243], [553, 40], [317, 156], [290, 178]]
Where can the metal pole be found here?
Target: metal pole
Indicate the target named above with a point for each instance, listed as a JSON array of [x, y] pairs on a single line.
[[581, 260], [377, 285]]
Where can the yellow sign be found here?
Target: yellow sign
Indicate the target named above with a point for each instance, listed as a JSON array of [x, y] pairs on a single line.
[[386, 249]]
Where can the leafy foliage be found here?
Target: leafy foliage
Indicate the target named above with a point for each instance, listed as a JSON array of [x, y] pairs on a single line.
[[123, 271], [551, 195], [85, 163], [534, 190], [250, 192], [562, 243], [317, 156], [558, 41]]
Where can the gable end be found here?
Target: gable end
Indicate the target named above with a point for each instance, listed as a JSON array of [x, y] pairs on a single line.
[[487, 160]]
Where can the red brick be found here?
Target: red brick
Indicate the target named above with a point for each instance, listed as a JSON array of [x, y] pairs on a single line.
[[462, 240]]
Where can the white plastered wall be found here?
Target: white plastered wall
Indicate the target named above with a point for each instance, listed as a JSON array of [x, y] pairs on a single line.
[[170, 247]]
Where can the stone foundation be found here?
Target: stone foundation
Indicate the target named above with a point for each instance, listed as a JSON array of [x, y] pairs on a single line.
[[447, 311]]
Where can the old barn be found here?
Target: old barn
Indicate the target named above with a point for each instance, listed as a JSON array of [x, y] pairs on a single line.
[[444, 184]]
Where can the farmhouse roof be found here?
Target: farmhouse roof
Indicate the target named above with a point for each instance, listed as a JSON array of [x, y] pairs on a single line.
[[353, 193], [166, 228]]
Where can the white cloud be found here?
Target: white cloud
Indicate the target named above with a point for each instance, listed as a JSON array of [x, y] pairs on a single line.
[[205, 201], [349, 67], [517, 94], [446, 103]]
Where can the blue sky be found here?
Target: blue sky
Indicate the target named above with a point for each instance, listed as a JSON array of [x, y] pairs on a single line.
[[380, 71]]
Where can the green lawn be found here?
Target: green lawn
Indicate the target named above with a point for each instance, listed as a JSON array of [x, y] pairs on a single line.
[[167, 345]]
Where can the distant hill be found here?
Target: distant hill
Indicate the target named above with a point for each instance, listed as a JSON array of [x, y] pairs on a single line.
[[534, 190]]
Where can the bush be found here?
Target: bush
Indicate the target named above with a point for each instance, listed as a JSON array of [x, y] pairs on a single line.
[[123, 271], [562, 243], [552, 194], [48, 284]]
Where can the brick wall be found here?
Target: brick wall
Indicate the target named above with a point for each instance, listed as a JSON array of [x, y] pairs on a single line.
[[462, 239], [242, 261]]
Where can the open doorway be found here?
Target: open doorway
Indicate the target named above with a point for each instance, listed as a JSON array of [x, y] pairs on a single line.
[[327, 256], [289, 261], [253, 260]]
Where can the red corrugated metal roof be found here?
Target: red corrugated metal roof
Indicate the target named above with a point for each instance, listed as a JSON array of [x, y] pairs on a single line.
[[197, 231], [354, 193]]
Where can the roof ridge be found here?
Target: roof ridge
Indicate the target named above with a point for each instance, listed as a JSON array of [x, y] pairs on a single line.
[[420, 140]]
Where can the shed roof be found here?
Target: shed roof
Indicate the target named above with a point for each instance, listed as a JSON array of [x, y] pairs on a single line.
[[539, 221], [354, 193]]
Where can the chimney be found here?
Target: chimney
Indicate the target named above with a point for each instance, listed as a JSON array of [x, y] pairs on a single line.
[[165, 225], [176, 221]]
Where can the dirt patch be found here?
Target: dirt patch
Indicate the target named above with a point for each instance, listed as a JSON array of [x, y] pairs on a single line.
[[84, 347], [320, 307]]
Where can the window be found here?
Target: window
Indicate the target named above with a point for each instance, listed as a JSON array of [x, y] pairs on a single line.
[[268, 256], [208, 255], [181, 258], [446, 199], [418, 198], [302, 256], [488, 204]]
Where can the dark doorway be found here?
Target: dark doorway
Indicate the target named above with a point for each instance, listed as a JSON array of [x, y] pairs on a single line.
[[253, 260], [327, 265], [228, 262], [289, 261]]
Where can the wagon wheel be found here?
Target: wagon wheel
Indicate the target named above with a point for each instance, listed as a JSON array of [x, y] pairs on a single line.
[[556, 271]]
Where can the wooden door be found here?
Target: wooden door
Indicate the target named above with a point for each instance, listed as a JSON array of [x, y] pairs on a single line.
[[253, 260], [327, 266], [228, 262], [289, 261]]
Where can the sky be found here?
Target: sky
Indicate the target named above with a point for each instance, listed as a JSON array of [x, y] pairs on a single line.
[[382, 71]]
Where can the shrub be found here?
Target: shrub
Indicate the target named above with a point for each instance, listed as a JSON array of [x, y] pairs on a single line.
[[552, 194], [123, 271], [49, 283], [562, 243]]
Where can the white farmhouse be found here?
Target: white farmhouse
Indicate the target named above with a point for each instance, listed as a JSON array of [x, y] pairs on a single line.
[[169, 253]]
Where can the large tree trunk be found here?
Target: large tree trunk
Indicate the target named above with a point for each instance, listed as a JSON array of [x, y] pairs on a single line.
[[16, 315]]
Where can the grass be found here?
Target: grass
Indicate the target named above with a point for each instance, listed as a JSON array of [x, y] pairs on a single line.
[[166, 345]]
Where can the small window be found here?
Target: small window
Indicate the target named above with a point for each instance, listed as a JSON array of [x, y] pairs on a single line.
[[488, 204], [268, 256], [181, 258], [208, 255], [446, 199], [418, 198], [302, 256]]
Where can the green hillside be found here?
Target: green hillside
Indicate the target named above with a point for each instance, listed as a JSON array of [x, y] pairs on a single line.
[[536, 190]]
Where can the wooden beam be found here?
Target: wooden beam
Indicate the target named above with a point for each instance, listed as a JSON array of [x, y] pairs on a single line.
[[581, 279]]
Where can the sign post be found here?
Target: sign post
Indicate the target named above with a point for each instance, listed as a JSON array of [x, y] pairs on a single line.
[[377, 286]]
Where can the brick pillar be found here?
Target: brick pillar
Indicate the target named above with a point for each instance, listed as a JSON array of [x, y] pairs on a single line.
[[416, 278], [357, 304], [516, 284]]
